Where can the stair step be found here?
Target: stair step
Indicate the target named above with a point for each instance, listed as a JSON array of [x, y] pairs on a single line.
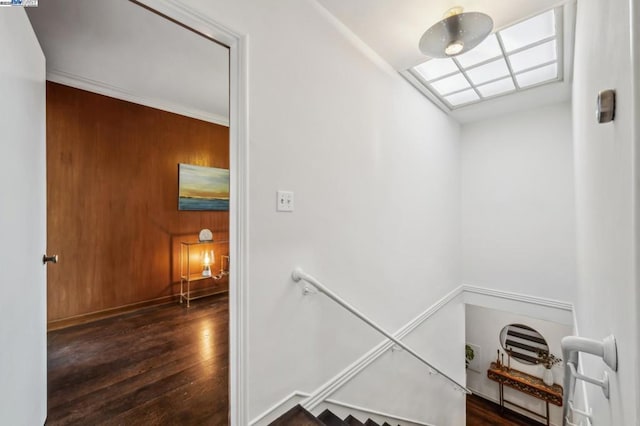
[[370, 422], [385, 424], [329, 419], [352, 421], [297, 416]]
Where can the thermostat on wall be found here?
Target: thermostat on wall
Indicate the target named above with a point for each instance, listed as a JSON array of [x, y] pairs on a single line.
[[205, 235]]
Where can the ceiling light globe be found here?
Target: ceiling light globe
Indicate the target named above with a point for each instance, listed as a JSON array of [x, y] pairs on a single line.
[[455, 34], [454, 48]]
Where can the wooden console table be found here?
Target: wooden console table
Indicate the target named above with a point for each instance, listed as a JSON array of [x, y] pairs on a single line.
[[527, 384]]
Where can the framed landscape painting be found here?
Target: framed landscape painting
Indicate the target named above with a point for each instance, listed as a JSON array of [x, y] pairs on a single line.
[[202, 188]]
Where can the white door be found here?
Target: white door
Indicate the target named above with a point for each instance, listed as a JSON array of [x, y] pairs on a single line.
[[23, 301]]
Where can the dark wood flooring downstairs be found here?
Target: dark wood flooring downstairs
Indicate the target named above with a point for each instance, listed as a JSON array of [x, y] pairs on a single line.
[[481, 412], [166, 365]]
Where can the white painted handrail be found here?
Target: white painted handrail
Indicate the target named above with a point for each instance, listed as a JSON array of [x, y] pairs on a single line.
[[298, 275], [571, 347]]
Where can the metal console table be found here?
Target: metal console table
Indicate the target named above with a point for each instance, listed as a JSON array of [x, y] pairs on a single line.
[[190, 274]]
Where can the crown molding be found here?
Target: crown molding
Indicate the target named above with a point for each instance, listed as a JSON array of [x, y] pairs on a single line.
[[102, 88]]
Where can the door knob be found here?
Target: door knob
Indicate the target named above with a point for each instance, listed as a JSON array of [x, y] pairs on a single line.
[[52, 259]]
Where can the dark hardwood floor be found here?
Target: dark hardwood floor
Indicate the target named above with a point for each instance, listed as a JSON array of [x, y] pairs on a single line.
[[166, 365], [481, 412]]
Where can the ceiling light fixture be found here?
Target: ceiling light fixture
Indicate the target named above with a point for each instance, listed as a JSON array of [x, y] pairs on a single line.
[[456, 33]]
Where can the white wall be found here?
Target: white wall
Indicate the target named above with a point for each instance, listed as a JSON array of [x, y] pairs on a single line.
[[483, 327], [23, 286], [399, 383], [518, 211], [375, 170], [606, 200]]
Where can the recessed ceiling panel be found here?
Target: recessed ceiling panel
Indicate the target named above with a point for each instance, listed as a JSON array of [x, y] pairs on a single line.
[[528, 32], [487, 72], [496, 88], [538, 75], [450, 84], [436, 68], [393, 28], [490, 71], [486, 50], [533, 56], [462, 98]]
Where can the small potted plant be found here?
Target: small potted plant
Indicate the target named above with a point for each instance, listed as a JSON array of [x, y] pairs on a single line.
[[548, 360], [468, 355]]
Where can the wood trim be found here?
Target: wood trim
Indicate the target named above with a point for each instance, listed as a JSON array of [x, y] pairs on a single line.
[[107, 313], [120, 310]]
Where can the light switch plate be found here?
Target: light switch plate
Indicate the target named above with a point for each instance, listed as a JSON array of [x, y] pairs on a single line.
[[284, 201]]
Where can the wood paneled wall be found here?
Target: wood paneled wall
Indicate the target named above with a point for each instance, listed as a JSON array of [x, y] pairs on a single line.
[[112, 197]]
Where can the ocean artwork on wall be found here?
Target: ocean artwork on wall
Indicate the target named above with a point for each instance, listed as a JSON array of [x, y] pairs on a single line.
[[202, 188]]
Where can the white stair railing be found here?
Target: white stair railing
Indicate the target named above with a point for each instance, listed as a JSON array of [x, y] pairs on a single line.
[[571, 348], [299, 275]]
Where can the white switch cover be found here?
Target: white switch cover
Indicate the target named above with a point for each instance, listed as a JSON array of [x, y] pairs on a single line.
[[285, 201]]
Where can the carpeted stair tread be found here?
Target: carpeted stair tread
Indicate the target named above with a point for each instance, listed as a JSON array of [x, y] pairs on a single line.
[[297, 416], [330, 419], [352, 421], [370, 422]]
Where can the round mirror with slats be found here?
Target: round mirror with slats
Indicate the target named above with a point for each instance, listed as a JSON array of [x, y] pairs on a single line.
[[524, 343]]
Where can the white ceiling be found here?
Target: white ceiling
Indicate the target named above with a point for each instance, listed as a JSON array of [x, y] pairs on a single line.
[[393, 28], [117, 48]]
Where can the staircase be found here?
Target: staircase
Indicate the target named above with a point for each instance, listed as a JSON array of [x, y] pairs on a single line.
[[298, 416]]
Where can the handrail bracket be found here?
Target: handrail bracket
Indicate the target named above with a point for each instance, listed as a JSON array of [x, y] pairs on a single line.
[[572, 346], [307, 287], [604, 383]]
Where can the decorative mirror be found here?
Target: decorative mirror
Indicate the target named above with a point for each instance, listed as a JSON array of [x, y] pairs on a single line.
[[525, 344]]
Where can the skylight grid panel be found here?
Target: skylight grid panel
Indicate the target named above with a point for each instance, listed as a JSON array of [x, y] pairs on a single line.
[[530, 31], [451, 84], [534, 56], [486, 50], [487, 72], [497, 87], [538, 75], [436, 68], [462, 98]]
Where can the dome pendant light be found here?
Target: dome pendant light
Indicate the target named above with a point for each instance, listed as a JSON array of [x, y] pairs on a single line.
[[456, 33]]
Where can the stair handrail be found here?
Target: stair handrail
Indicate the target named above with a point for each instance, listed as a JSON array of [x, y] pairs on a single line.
[[298, 275], [571, 347]]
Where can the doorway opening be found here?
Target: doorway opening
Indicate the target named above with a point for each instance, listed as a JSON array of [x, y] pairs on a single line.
[[143, 236]]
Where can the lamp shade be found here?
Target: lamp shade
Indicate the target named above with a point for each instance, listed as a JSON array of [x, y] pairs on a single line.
[[456, 34]]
